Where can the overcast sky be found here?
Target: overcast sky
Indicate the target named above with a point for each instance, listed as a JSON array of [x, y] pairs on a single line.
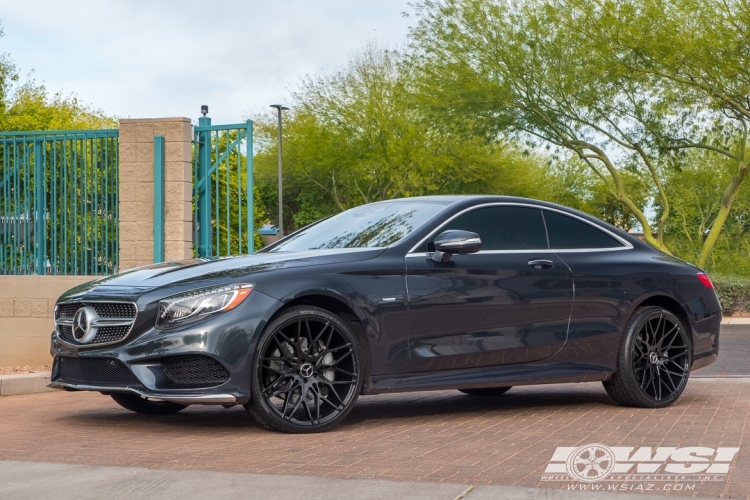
[[140, 59]]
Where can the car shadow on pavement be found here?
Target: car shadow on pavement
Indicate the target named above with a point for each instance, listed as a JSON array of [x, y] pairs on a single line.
[[372, 408], [448, 403], [197, 417]]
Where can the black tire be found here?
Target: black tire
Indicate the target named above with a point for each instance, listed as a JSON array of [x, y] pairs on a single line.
[[486, 392], [137, 404], [307, 372], [653, 365]]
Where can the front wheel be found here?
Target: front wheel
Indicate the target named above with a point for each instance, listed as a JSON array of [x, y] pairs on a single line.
[[139, 405], [654, 362], [307, 372]]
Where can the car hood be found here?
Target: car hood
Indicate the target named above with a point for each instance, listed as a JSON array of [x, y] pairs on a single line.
[[192, 271]]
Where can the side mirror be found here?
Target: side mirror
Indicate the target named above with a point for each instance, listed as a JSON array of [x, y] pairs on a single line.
[[455, 242]]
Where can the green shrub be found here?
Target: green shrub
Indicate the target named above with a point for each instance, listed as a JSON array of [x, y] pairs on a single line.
[[733, 292]]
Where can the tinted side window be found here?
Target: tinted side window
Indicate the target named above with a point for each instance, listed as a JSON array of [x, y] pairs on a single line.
[[567, 232], [504, 228]]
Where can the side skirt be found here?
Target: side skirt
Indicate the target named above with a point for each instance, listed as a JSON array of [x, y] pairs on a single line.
[[491, 376]]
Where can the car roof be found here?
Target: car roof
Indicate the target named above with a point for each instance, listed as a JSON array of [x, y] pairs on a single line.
[[468, 200], [455, 198]]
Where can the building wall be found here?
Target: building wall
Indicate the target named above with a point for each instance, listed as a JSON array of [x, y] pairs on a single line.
[[27, 305]]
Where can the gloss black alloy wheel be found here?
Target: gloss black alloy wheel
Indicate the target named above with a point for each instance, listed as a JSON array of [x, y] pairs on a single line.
[[308, 372], [654, 361]]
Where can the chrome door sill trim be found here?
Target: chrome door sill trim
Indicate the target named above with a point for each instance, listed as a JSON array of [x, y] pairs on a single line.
[[184, 399]]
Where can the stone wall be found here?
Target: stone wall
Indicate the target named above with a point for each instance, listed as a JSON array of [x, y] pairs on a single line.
[[27, 305], [137, 189], [27, 302]]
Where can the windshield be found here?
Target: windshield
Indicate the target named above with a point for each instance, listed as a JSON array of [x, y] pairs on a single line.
[[369, 226]]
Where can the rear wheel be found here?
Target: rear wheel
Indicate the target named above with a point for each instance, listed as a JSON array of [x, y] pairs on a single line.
[[137, 404], [308, 372], [654, 362], [486, 392]]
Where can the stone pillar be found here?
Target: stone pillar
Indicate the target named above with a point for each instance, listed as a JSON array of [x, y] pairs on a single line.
[[136, 219]]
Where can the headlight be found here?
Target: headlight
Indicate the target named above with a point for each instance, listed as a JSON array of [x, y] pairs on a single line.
[[194, 306]]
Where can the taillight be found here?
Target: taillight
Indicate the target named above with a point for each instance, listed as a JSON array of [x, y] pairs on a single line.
[[703, 278]]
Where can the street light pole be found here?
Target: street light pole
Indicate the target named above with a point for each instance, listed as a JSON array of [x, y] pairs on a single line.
[[280, 108]]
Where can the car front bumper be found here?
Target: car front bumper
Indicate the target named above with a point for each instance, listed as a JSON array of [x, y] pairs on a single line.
[[184, 399], [224, 343]]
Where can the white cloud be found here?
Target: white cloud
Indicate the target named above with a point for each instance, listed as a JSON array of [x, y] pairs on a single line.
[[139, 58]]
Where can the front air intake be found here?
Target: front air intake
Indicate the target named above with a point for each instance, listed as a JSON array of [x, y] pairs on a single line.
[[195, 370], [107, 372]]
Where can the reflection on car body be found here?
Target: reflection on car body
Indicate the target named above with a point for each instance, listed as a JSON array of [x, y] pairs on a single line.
[[475, 293]]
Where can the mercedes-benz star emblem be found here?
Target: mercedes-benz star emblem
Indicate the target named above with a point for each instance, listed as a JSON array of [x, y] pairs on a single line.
[[306, 370], [84, 330], [653, 357]]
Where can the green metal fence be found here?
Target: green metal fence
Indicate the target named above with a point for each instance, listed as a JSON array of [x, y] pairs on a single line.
[[223, 188], [59, 202]]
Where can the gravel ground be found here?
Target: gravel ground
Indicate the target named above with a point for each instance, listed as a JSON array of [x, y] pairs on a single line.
[[17, 370]]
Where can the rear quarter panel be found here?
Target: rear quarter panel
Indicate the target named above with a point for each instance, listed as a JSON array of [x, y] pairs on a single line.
[[611, 285]]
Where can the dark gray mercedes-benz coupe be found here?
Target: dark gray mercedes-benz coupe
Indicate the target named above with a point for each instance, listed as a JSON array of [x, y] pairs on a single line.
[[475, 293]]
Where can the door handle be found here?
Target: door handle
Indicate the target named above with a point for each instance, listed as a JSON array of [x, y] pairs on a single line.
[[541, 264]]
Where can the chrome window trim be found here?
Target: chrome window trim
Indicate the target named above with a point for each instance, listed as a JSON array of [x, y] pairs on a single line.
[[93, 346], [540, 251], [626, 245]]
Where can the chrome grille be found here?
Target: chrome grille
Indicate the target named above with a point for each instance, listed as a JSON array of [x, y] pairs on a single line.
[[111, 334], [125, 312], [103, 309], [67, 310]]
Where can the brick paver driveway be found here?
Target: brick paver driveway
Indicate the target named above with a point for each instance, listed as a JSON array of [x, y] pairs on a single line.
[[434, 436]]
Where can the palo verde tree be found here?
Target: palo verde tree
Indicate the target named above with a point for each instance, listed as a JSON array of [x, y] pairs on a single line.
[[696, 190], [695, 57], [357, 136], [604, 80], [28, 106]]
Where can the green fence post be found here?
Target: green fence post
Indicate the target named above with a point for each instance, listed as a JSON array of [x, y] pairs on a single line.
[[204, 200], [159, 198], [39, 196], [250, 193]]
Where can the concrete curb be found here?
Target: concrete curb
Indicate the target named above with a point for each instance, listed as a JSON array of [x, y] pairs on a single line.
[[730, 379], [26, 383], [42, 481], [735, 321]]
